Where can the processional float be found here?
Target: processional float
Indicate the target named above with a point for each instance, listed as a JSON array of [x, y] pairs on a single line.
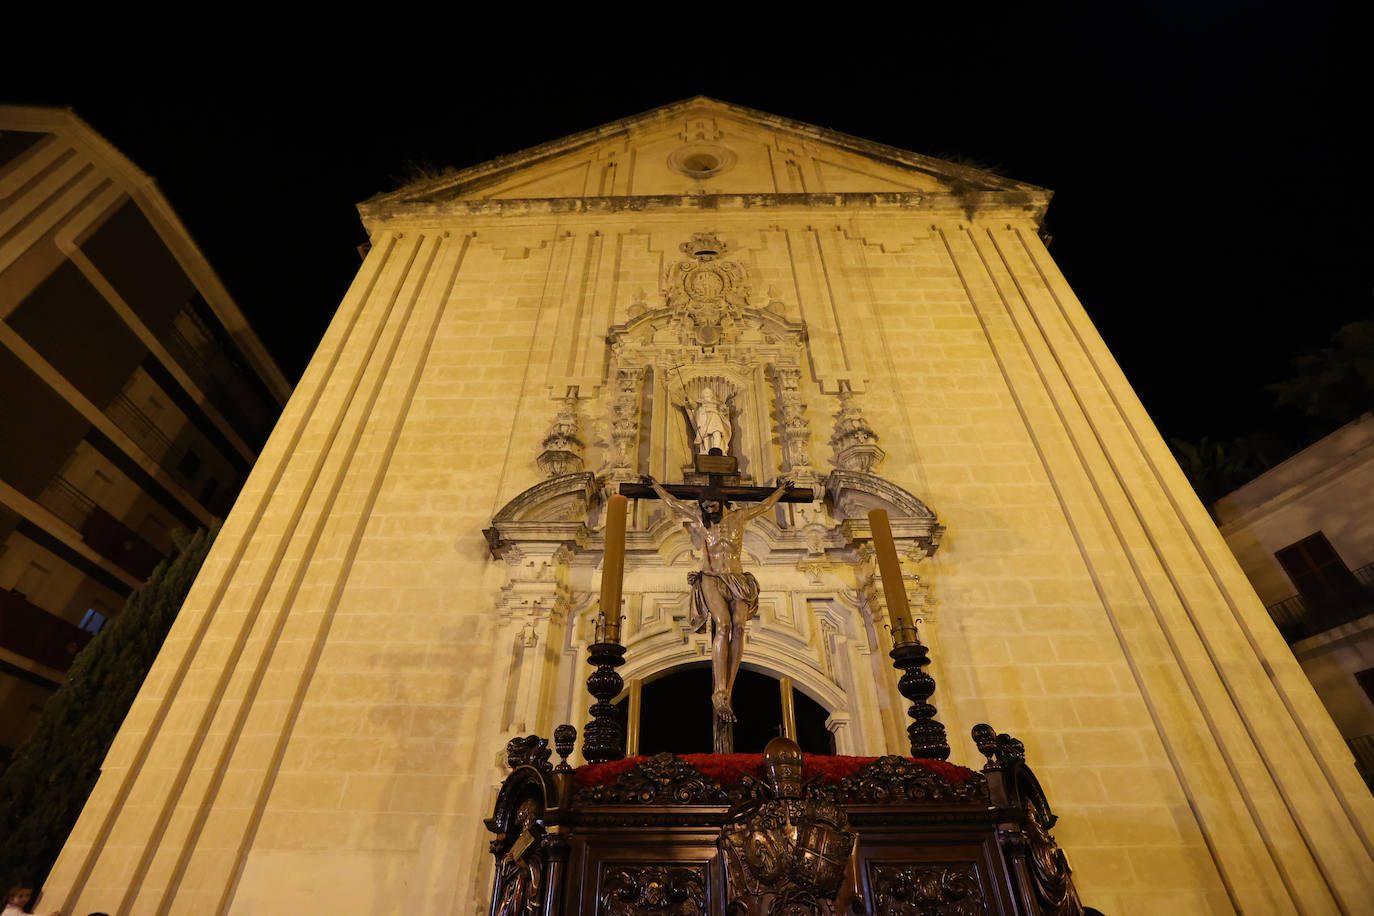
[[776, 834]]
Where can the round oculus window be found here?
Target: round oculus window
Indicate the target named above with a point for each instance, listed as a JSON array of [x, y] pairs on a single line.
[[702, 160]]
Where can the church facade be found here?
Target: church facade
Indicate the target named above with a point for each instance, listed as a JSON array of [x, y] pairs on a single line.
[[410, 576]]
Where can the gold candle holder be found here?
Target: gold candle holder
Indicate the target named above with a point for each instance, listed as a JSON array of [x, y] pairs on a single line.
[[905, 636]]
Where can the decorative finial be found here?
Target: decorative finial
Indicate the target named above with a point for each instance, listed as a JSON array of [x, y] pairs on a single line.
[[564, 740], [854, 441], [561, 450]]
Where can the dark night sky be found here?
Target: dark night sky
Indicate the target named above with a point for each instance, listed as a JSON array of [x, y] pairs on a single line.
[[1209, 208]]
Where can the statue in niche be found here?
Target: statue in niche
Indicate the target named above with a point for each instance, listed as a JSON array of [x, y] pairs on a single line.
[[723, 594], [711, 421]]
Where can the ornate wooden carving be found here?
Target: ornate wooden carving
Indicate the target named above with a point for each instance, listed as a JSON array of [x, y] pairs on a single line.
[[1048, 868], [1026, 840], [649, 890], [521, 863], [787, 854], [893, 779], [907, 889], [926, 733], [603, 739], [662, 779], [530, 750], [664, 838]]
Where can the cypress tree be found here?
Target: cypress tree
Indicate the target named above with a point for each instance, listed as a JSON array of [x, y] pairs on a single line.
[[52, 774]]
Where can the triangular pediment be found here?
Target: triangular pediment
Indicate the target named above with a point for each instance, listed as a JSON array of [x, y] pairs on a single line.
[[701, 147]]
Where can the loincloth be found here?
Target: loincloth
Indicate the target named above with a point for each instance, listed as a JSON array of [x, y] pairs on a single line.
[[736, 586]]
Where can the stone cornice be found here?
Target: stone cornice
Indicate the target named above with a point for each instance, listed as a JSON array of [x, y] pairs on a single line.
[[1023, 203]]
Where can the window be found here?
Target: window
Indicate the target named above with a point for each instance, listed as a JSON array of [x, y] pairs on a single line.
[[189, 466], [208, 491], [93, 621], [1317, 571], [675, 714]]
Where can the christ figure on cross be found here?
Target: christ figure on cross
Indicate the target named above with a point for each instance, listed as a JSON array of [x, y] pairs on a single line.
[[723, 594]]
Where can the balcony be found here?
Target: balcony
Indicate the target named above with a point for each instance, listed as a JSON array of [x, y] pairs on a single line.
[[30, 631], [104, 533], [218, 375], [143, 431], [1299, 616]]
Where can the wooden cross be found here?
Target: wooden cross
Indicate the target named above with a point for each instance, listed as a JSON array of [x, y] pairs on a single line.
[[717, 468]]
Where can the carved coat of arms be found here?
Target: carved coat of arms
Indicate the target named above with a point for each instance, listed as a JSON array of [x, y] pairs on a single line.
[[705, 292]]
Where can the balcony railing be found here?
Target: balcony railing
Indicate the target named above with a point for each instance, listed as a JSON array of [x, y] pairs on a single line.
[[109, 536], [138, 427], [1299, 617], [32, 632], [66, 502], [217, 375]]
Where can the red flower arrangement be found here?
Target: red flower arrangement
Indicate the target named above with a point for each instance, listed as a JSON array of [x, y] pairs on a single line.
[[727, 769]]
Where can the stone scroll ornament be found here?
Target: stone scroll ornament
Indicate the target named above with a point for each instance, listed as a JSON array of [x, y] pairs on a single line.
[[788, 852]]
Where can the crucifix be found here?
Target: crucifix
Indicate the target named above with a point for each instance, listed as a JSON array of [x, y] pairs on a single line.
[[723, 594]]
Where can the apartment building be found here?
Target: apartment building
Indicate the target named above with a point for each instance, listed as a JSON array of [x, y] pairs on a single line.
[[134, 397], [1303, 531]]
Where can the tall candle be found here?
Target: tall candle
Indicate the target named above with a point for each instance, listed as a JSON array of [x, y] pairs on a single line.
[[890, 571], [613, 569]]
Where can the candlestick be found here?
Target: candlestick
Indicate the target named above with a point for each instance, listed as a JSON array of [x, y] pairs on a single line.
[[890, 571], [926, 733], [613, 567]]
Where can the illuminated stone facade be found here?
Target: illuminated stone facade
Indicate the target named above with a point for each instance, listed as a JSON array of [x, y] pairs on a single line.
[[408, 578]]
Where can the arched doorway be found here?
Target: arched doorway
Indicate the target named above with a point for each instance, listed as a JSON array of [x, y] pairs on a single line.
[[675, 713]]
